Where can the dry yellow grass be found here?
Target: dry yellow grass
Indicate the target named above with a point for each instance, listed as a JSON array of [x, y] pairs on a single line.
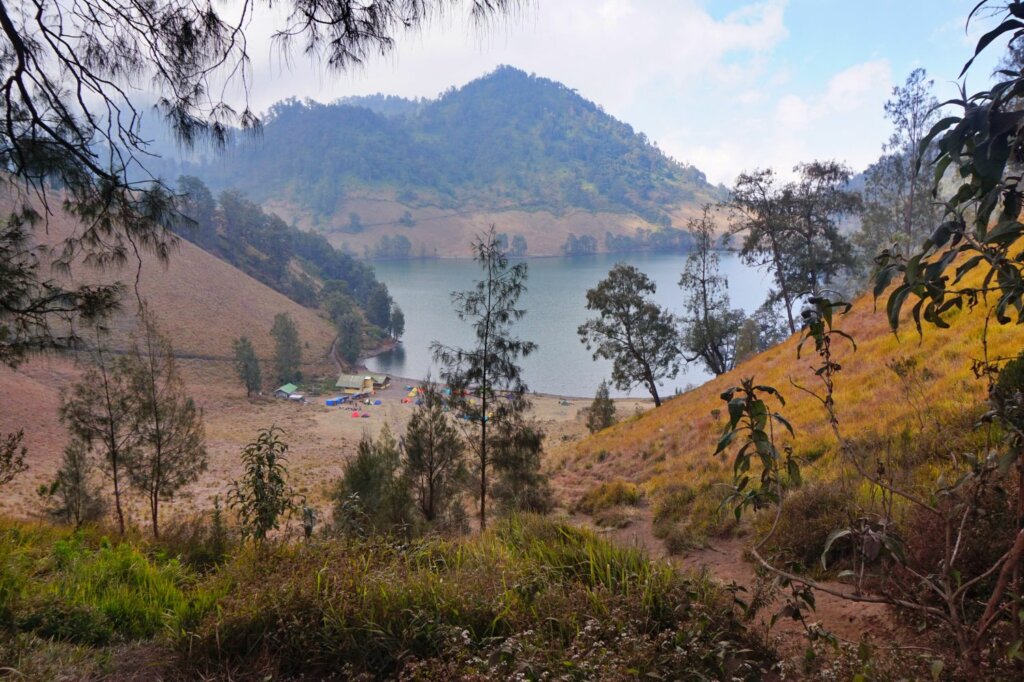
[[675, 442]]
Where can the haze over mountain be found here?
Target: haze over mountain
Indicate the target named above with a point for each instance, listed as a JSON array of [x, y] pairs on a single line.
[[524, 152]]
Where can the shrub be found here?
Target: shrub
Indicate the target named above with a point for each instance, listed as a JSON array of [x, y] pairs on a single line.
[[528, 599], [72, 587], [609, 494], [372, 494], [263, 496], [988, 534], [810, 513], [685, 517], [200, 542]]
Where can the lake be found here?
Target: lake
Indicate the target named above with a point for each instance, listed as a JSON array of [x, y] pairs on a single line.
[[555, 302]]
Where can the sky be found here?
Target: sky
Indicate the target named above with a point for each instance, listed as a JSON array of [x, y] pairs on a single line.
[[725, 85]]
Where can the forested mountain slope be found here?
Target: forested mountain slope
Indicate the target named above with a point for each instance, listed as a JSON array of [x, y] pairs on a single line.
[[509, 148]]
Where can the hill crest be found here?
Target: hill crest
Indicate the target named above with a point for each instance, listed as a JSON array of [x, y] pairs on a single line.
[[502, 145]]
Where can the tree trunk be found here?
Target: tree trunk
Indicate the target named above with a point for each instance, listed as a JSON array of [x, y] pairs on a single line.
[[483, 471], [117, 498], [153, 504], [652, 386]]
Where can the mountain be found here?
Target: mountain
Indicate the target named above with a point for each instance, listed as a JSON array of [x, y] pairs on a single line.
[[524, 152]]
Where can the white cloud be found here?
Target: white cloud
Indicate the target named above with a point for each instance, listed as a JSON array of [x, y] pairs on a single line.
[[708, 88], [841, 120]]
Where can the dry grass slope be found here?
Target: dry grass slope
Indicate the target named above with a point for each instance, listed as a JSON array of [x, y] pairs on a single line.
[[673, 444]]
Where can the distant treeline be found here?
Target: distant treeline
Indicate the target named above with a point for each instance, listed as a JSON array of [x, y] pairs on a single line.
[[301, 265]]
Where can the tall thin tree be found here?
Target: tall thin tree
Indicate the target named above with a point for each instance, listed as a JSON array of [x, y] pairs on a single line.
[[434, 457], [100, 410], [169, 426], [247, 365], [490, 367], [709, 326], [287, 349]]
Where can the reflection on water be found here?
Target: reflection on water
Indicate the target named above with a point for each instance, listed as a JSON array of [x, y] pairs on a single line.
[[391, 361], [556, 305]]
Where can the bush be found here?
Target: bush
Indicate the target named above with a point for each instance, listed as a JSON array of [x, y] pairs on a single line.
[[609, 494], [199, 542], [372, 494], [809, 514], [685, 517], [528, 599], [988, 533], [78, 588]]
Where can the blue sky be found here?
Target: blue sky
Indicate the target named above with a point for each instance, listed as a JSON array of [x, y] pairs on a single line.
[[727, 85]]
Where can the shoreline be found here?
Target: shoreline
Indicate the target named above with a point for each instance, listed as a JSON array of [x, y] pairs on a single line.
[[408, 381]]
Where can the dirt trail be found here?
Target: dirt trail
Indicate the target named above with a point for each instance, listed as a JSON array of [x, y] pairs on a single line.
[[724, 560]]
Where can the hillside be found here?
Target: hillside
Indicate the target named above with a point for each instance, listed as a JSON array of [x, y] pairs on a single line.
[[524, 152], [202, 304], [672, 446]]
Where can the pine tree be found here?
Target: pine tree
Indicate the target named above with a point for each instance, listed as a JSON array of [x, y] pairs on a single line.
[[601, 413], [287, 349], [491, 367], [434, 457], [100, 410], [521, 485], [72, 497], [247, 366], [373, 487], [168, 426]]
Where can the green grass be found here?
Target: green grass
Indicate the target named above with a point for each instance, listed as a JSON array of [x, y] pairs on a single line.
[[529, 598], [83, 588]]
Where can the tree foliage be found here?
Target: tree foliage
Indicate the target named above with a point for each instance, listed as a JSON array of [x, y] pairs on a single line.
[[435, 459], [710, 328], [247, 366], [287, 349], [72, 496], [263, 496], [981, 229], [171, 447], [101, 411], [632, 331], [373, 493], [68, 73], [899, 208], [489, 369], [601, 412], [397, 327], [792, 229], [521, 485], [12, 456], [350, 337]]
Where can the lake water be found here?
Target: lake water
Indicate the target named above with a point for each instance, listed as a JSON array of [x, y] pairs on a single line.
[[555, 302]]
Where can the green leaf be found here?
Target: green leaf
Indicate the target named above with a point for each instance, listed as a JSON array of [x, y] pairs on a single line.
[[725, 440], [793, 469], [782, 420], [832, 537], [985, 40]]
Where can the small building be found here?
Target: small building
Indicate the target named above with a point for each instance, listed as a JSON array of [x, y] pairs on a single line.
[[285, 391], [362, 383]]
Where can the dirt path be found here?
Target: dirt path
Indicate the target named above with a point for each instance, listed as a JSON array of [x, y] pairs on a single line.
[[724, 560]]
